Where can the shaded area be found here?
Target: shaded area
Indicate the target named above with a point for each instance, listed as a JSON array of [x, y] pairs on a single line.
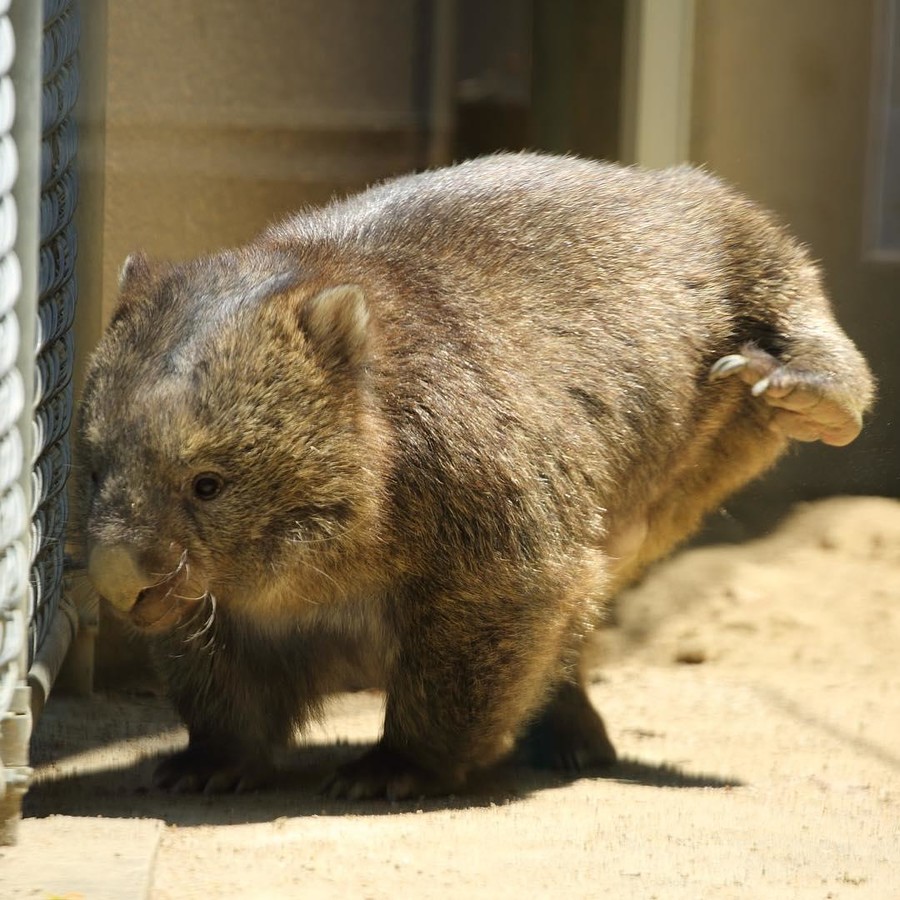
[[113, 743]]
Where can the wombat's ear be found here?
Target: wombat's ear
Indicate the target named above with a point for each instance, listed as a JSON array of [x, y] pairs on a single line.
[[135, 279], [336, 323], [135, 272]]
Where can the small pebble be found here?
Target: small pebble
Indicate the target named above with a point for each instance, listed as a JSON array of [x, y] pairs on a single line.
[[690, 654]]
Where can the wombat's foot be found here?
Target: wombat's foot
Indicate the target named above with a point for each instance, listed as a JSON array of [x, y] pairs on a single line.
[[568, 735], [807, 405], [384, 773], [196, 770]]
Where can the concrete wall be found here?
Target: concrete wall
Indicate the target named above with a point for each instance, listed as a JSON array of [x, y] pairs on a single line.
[[206, 120], [781, 108]]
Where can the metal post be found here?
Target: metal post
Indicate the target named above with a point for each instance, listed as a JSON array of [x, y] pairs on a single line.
[[25, 20]]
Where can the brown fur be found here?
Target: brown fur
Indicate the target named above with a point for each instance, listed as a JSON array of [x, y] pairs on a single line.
[[450, 415]]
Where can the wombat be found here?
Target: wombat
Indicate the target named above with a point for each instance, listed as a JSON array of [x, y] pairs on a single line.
[[417, 438]]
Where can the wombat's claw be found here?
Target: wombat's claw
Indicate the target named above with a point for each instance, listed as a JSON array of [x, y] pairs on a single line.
[[727, 365], [568, 736], [189, 772], [383, 774], [806, 406]]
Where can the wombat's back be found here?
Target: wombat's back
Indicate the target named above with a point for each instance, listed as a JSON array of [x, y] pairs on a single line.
[[554, 266], [583, 301]]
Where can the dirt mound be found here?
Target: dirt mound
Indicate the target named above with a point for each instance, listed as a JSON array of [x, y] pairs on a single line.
[[820, 590]]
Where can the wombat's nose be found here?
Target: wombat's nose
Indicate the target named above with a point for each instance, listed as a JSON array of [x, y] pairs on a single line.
[[116, 575]]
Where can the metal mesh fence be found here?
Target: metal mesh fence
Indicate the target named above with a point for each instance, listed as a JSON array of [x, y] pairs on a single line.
[[13, 502], [56, 310], [35, 358]]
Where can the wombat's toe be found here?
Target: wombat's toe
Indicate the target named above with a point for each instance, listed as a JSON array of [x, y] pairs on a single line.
[[806, 405], [386, 774], [568, 735], [192, 771]]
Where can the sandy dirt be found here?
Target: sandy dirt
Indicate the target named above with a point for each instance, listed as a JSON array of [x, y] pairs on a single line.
[[753, 692]]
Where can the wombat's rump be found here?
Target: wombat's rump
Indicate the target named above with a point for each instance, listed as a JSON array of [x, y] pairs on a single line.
[[414, 439]]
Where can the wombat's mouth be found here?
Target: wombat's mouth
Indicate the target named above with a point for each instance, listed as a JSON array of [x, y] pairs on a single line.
[[163, 607], [148, 602]]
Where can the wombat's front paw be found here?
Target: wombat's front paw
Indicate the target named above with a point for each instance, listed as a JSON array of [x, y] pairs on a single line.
[[383, 773], [196, 770], [807, 405]]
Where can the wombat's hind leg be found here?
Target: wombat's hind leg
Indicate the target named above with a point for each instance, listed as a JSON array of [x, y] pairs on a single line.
[[204, 767], [568, 734], [475, 662], [806, 405]]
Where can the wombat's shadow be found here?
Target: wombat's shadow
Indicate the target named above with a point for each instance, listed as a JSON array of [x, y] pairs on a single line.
[[104, 785], [125, 792]]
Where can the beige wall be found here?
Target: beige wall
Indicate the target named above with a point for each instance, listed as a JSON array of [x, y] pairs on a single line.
[[204, 121], [781, 106]]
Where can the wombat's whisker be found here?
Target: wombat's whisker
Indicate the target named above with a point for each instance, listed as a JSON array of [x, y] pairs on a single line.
[[211, 604], [162, 579], [207, 625], [190, 599]]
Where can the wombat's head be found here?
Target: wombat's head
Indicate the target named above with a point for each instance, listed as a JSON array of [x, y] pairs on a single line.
[[222, 443]]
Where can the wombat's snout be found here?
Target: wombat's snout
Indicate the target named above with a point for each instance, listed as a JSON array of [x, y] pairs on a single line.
[[116, 575]]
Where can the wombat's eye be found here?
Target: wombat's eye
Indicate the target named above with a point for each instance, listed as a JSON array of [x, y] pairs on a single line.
[[207, 486]]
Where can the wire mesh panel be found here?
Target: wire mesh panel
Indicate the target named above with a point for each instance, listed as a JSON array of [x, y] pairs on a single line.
[[35, 356], [56, 310], [13, 511]]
